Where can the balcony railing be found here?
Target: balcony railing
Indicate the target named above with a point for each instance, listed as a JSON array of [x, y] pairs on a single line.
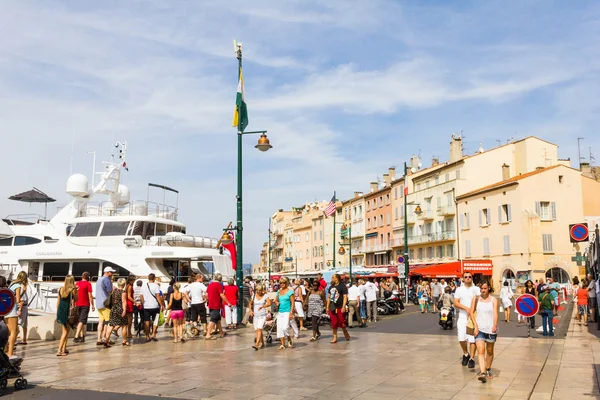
[[432, 237], [379, 247], [425, 215], [446, 210]]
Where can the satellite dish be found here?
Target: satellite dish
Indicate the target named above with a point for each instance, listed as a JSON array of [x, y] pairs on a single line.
[[420, 165], [413, 170]]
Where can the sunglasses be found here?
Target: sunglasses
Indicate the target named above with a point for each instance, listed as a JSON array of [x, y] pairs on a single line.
[[468, 277]]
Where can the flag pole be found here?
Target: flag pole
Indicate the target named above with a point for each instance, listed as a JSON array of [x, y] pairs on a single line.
[[334, 214], [238, 240]]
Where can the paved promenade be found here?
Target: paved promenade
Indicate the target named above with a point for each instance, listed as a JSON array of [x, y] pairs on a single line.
[[373, 365]]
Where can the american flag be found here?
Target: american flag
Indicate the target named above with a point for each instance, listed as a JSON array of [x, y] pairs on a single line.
[[330, 209]]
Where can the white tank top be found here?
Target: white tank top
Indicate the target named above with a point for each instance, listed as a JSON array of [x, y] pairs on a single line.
[[485, 315], [260, 303]]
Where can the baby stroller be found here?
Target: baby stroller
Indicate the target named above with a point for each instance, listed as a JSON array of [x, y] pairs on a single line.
[[270, 327], [10, 368]]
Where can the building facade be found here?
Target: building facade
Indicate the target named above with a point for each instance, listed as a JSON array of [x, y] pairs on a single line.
[[378, 229]]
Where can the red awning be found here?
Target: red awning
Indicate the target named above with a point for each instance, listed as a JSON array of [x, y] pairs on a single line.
[[483, 267], [447, 270]]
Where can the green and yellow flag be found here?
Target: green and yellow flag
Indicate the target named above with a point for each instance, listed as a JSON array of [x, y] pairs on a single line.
[[240, 114]]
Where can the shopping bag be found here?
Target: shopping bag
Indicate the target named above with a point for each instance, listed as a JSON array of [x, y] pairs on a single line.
[[161, 319]]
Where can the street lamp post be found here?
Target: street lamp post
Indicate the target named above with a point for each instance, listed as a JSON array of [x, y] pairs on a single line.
[[349, 244], [262, 145], [406, 265]]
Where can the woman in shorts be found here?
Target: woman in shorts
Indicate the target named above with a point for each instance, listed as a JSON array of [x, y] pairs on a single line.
[[582, 303], [285, 302], [316, 305], [258, 310], [177, 314], [486, 329]]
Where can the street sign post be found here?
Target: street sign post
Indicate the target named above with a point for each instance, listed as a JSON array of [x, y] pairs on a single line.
[[579, 233], [527, 305], [7, 301], [400, 260]]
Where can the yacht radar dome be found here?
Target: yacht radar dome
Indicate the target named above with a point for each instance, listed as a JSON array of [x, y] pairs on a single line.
[[124, 195], [77, 185]]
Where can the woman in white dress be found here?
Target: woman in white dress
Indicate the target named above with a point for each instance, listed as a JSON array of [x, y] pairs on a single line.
[[258, 310], [506, 295]]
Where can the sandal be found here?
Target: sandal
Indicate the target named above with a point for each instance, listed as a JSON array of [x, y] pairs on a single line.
[[489, 374], [347, 337], [312, 339], [482, 377], [60, 354], [210, 338], [282, 347], [154, 339], [126, 343], [333, 341]]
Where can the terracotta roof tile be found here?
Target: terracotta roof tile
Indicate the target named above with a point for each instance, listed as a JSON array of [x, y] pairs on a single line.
[[509, 181]]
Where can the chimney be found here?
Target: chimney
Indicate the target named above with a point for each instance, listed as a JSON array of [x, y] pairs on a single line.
[[435, 161], [374, 186], [357, 194], [586, 169], [456, 151], [386, 180], [505, 172], [392, 173], [415, 162]]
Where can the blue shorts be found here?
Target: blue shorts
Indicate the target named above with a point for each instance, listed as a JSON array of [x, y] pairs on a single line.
[[487, 337]]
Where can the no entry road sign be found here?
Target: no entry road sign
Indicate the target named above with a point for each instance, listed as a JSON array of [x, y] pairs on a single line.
[[7, 301], [400, 260], [527, 305], [579, 233]]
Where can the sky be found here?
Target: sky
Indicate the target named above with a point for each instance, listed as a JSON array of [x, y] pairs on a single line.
[[345, 89]]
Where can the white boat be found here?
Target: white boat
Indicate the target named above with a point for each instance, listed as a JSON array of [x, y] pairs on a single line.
[[89, 234]]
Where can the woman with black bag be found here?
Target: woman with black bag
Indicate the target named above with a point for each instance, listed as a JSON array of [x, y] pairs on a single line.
[[66, 314]]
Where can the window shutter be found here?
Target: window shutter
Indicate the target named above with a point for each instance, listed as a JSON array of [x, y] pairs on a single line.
[[509, 213], [468, 216], [500, 214], [462, 221], [439, 202], [506, 244], [468, 248], [480, 218], [489, 216], [538, 208], [553, 206]]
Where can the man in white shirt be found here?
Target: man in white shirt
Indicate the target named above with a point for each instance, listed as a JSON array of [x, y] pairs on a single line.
[[197, 294], [353, 303], [152, 301], [443, 284], [371, 297], [436, 293], [463, 297], [363, 303]]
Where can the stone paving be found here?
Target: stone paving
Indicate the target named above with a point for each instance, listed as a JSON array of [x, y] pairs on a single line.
[[371, 366]]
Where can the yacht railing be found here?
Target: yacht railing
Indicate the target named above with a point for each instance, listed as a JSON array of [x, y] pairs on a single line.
[[42, 297], [135, 208], [189, 240]]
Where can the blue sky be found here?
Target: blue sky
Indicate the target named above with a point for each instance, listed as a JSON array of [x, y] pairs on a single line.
[[345, 89]]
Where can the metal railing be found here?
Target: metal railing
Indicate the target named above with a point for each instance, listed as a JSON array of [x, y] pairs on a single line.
[[135, 208], [446, 210], [425, 215], [432, 237]]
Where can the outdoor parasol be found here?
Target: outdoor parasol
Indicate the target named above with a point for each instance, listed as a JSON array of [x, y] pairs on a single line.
[[34, 196]]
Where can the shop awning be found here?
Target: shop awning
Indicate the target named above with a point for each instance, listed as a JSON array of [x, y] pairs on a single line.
[[447, 270]]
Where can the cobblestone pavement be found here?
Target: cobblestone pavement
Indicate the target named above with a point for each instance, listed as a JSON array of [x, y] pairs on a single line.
[[373, 365]]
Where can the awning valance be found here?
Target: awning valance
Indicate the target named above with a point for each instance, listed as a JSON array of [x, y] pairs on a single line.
[[447, 270]]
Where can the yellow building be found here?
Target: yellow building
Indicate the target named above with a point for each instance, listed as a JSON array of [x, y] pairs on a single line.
[[521, 223], [353, 213]]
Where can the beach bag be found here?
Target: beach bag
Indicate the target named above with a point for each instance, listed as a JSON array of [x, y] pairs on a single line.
[[73, 314], [161, 319]]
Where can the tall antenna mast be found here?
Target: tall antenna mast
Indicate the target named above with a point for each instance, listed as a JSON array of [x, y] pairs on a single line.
[[579, 139]]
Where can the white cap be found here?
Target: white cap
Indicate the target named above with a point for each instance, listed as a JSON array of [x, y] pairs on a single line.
[[109, 269]]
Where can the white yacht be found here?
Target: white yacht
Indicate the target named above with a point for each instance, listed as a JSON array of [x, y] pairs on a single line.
[[133, 237]]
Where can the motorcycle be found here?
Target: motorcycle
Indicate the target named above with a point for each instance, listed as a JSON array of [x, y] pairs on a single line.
[[390, 304], [446, 317], [412, 296]]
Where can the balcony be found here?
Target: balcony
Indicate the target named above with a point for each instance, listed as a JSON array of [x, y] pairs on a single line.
[[425, 215], [446, 210], [432, 237], [378, 247], [411, 220]]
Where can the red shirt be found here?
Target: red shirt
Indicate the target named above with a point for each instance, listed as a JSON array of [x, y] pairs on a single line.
[[323, 284], [84, 288], [582, 297], [231, 292], [213, 292]]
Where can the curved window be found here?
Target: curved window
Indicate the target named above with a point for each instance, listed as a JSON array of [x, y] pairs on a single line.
[[137, 228], [120, 270], [161, 229], [86, 229], [116, 228], [26, 240], [148, 230], [6, 242]]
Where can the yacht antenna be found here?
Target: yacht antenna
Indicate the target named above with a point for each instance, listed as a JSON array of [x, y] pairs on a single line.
[[93, 167]]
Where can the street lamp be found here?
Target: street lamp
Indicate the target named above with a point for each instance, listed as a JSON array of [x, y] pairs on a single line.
[[262, 145], [342, 251]]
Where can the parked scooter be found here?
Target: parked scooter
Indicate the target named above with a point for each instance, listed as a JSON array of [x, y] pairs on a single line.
[[390, 304], [446, 317], [412, 296]]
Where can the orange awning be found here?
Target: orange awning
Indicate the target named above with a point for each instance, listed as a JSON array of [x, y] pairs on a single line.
[[447, 270]]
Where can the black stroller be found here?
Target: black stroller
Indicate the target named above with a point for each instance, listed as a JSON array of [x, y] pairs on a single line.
[[9, 370]]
